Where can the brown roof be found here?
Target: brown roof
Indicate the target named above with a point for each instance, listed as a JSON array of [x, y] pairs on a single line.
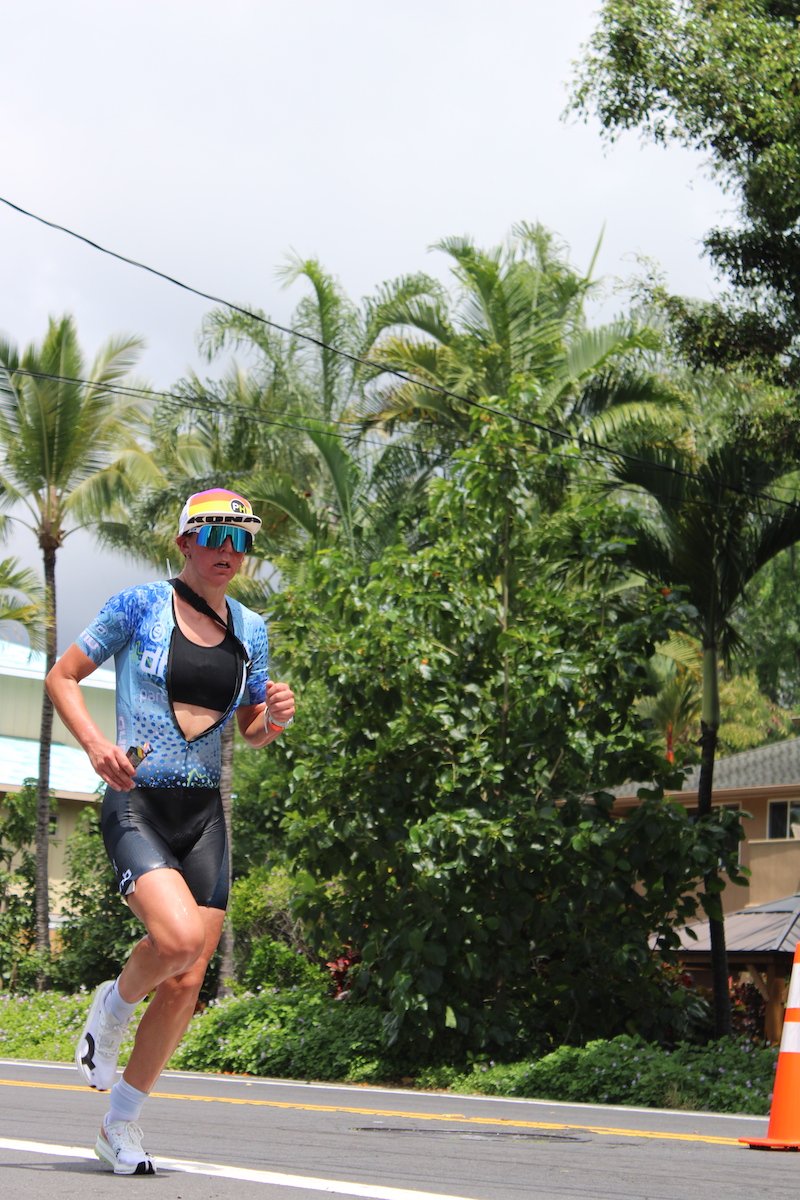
[[773, 765], [766, 766]]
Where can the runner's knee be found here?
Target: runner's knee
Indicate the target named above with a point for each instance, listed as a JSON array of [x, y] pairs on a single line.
[[179, 946]]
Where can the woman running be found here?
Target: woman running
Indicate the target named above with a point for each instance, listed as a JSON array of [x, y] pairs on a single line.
[[186, 658]]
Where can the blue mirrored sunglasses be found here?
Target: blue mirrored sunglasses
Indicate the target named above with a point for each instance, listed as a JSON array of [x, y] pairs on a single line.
[[215, 536]]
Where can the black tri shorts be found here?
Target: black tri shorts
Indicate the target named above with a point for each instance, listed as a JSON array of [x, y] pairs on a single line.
[[183, 828]]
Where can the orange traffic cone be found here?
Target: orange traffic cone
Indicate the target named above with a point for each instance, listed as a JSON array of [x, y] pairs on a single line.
[[783, 1132]]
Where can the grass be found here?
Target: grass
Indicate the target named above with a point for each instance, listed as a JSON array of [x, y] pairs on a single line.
[[45, 1026]]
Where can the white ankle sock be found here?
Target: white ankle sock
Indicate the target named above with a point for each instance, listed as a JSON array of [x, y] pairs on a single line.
[[126, 1103], [118, 1008]]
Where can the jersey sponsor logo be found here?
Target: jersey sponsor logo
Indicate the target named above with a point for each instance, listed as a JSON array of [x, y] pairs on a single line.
[[158, 632], [154, 662]]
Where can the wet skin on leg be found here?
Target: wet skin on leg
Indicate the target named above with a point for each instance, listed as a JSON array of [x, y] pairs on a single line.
[[171, 961]]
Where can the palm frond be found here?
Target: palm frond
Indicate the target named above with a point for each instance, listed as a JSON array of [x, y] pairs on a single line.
[[593, 349], [342, 473], [287, 501], [413, 301], [228, 329], [22, 601], [683, 650]]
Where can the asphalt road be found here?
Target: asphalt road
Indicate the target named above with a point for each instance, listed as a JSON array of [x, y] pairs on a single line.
[[239, 1138]]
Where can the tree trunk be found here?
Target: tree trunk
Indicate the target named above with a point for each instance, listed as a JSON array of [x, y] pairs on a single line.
[[505, 575], [43, 802], [226, 967], [708, 743]]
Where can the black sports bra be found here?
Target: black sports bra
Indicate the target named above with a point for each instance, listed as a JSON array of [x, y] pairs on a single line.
[[208, 676]]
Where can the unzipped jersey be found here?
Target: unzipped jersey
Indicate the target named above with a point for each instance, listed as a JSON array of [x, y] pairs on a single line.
[[137, 626]]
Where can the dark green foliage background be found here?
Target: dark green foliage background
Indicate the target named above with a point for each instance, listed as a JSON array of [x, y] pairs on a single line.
[[17, 875], [99, 931], [443, 797]]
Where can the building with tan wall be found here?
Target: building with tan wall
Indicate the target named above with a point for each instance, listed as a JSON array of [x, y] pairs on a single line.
[[762, 920], [764, 785]]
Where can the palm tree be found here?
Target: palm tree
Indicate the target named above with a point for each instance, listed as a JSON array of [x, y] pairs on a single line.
[[674, 707], [315, 482], [68, 447], [515, 330], [710, 523], [355, 498], [311, 375]]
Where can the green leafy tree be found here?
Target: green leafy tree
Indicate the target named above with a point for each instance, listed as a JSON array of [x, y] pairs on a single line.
[[17, 884], [436, 814], [772, 602], [99, 930], [721, 78], [68, 445], [749, 718]]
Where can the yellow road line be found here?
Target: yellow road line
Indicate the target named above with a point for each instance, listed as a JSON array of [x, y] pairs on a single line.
[[502, 1122]]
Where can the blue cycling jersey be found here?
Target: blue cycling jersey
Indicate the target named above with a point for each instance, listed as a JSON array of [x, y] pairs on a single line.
[[137, 627]]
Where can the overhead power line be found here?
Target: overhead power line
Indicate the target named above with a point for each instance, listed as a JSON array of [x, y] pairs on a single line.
[[385, 368], [210, 404], [372, 364]]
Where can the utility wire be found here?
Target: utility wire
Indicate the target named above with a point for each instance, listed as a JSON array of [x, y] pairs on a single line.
[[197, 401], [385, 368], [213, 405], [372, 364]]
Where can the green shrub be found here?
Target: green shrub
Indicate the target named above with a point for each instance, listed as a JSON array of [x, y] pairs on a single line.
[[731, 1075], [100, 930], [302, 1034], [274, 964], [299, 1034], [269, 946], [46, 1025]]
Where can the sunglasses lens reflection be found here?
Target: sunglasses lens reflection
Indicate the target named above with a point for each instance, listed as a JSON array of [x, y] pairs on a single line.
[[215, 536]]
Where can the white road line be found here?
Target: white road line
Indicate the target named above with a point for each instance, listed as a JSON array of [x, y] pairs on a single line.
[[339, 1187]]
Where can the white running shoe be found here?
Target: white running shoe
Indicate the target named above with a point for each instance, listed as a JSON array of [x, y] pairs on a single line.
[[97, 1050], [119, 1143]]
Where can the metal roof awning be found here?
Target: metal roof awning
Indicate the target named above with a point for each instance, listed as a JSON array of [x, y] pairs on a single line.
[[71, 773], [772, 928], [760, 941]]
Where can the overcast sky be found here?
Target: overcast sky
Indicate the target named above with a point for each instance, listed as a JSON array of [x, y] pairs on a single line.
[[209, 139]]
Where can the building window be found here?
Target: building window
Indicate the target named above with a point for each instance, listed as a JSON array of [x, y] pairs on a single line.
[[784, 819]]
